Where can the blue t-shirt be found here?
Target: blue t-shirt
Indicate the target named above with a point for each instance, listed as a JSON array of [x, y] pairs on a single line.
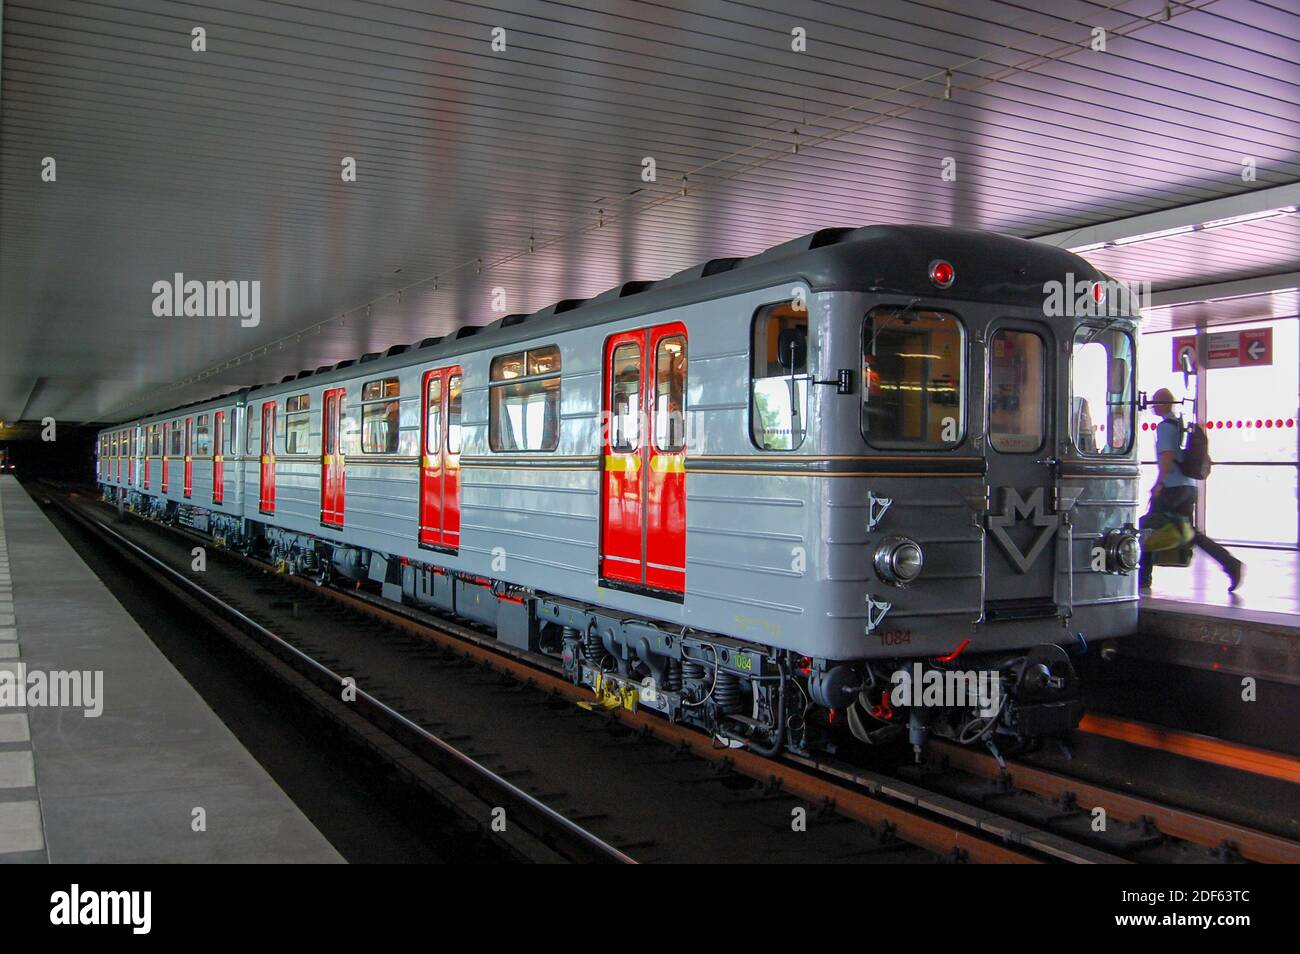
[[1169, 437]]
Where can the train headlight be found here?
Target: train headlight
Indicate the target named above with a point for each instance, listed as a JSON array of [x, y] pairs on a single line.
[[898, 560], [1123, 550]]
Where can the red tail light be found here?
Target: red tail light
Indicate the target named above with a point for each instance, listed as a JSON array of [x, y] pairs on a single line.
[[941, 273]]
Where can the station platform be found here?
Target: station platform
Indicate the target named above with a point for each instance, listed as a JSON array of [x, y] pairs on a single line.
[[1189, 618], [155, 776], [1270, 591]]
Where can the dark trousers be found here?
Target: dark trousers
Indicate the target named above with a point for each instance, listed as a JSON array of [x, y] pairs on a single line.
[[1182, 501]]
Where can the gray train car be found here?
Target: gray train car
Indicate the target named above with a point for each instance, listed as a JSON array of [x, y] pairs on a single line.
[[182, 466], [755, 495]]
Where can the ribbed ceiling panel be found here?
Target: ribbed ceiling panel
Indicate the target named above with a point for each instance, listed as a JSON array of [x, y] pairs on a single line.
[[225, 164]]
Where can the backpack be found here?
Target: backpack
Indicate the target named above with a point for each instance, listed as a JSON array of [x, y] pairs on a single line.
[[1196, 455]]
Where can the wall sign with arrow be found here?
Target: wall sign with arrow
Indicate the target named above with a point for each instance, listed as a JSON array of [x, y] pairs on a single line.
[[1226, 349]]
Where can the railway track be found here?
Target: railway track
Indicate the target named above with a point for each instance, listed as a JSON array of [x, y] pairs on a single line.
[[964, 807], [1223, 840]]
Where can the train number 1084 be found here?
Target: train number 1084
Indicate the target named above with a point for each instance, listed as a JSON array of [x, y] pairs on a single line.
[[895, 637]]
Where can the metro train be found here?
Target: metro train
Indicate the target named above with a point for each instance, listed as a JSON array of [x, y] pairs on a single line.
[[761, 496]]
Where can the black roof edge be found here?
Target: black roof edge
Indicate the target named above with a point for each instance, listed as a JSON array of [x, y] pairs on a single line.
[[634, 288], [823, 237], [716, 266]]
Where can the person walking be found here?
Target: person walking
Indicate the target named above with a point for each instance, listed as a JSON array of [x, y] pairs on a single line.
[[1175, 493]]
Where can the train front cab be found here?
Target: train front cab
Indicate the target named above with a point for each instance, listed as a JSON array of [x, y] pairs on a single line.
[[997, 500]]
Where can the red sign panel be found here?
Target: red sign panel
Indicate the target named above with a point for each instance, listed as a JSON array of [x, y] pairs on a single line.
[[1256, 347]]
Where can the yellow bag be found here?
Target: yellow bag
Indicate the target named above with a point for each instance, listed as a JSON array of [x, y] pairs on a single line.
[[1176, 532]]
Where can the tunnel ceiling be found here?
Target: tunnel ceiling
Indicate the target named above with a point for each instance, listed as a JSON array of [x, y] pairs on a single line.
[[522, 169]]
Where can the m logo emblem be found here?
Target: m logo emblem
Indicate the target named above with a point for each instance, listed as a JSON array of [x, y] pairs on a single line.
[[1015, 507]]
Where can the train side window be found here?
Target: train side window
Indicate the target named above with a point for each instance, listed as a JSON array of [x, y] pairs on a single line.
[[453, 414], [380, 416], [176, 434], [202, 437], [233, 420], [1017, 385], [433, 416], [1101, 391], [913, 378], [779, 379], [297, 424], [625, 398], [670, 393], [524, 402], [329, 429]]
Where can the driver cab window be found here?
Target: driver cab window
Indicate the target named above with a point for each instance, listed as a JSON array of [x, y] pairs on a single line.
[[778, 401], [1101, 391], [1017, 381], [913, 362]]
